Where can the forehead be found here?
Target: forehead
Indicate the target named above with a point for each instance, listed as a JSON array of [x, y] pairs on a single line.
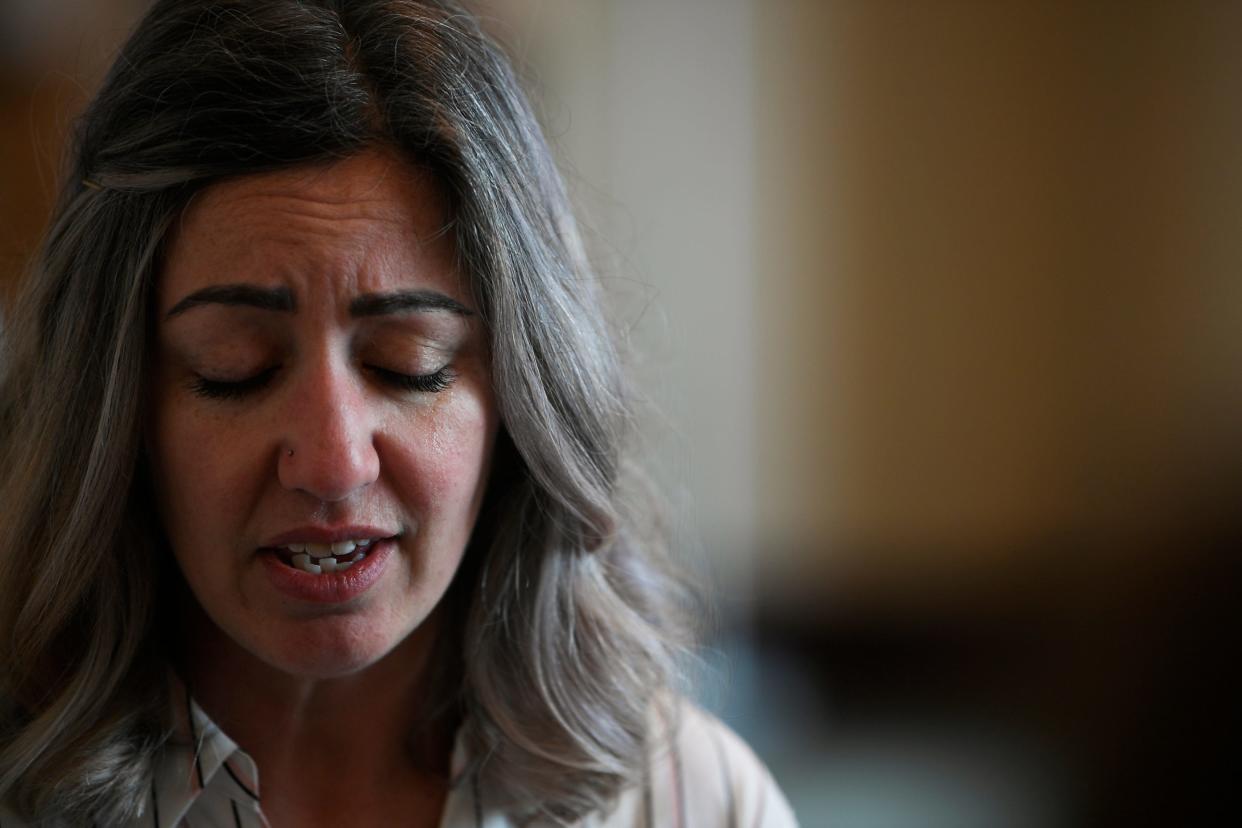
[[365, 224]]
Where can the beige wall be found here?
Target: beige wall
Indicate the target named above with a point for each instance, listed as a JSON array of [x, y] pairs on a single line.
[[650, 105], [1000, 274], [972, 304]]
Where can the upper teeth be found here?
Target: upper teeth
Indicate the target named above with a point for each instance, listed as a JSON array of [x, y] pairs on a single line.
[[325, 550], [317, 558]]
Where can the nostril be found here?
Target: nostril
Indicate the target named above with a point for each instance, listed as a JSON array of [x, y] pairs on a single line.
[[328, 469]]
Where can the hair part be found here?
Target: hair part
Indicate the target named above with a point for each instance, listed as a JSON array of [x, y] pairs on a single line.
[[571, 619]]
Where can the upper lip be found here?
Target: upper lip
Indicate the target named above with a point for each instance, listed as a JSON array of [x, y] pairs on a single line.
[[327, 534]]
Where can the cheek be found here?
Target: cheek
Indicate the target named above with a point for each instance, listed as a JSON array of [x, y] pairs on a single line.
[[204, 467], [440, 463]]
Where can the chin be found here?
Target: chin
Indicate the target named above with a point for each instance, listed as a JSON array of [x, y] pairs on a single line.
[[327, 648]]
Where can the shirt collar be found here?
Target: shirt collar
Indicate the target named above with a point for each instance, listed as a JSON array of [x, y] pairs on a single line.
[[202, 769], [204, 777]]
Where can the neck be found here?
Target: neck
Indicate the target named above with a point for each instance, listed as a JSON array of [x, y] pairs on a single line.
[[349, 733]]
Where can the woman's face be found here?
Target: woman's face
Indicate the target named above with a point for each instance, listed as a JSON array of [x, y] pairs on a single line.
[[321, 400]]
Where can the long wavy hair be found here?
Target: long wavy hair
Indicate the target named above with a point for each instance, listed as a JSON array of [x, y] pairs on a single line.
[[568, 621]]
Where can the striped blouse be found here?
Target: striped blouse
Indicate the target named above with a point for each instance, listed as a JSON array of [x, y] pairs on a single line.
[[708, 778]]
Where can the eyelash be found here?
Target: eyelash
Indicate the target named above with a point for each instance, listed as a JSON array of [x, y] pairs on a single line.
[[432, 383], [220, 390], [423, 383]]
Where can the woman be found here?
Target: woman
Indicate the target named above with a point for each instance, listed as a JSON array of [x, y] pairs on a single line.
[[314, 458]]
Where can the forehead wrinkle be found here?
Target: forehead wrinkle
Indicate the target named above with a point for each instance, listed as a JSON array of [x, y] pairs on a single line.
[[366, 229], [304, 254], [294, 219], [380, 180], [352, 218]]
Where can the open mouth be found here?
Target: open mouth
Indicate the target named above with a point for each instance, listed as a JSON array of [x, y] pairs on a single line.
[[324, 558]]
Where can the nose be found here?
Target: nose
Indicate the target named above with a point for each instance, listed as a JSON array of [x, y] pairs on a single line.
[[328, 450]]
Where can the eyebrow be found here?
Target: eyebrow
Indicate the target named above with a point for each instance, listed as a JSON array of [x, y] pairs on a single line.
[[272, 299], [281, 300], [402, 301]]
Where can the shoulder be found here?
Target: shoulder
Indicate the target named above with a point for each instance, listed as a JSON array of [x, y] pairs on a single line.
[[701, 773], [723, 776]]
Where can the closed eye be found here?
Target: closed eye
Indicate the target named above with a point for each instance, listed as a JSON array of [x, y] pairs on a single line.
[[232, 389], [236, 389], [425, 383]]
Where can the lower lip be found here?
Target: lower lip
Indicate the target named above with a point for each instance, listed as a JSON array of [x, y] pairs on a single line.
[[330, 587]]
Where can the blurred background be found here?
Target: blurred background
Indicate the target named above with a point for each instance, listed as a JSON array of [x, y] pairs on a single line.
[[936, 307]]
